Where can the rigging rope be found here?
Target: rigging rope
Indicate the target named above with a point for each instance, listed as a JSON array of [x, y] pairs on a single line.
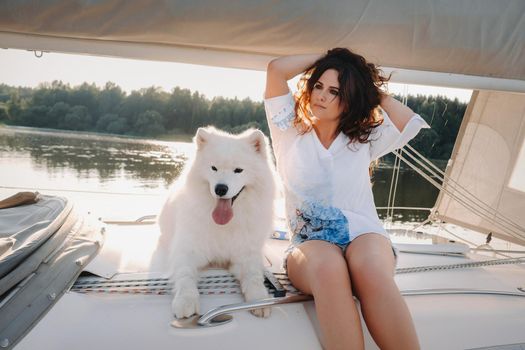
[[483, 210], [447, 185], [391, 192], [509, 261], [446, 179], [395, 173]]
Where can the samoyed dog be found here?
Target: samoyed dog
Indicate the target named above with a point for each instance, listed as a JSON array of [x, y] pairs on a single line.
[[220, 212]]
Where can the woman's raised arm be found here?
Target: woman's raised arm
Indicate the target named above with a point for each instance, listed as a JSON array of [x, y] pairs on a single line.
[[284, 68], [397, 112]]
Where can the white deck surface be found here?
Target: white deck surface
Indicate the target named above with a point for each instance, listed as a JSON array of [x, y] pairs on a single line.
[[134, 321]]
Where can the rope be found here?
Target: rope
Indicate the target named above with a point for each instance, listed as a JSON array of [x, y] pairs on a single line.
[[405, 208], [435, 167], [457, 187], [398, 170], [460, 266], [445, 179], [471, 204], [453, 194], [392, 191], [395, 173]]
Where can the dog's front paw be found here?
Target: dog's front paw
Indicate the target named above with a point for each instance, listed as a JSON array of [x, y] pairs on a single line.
[[264, 312], [258, 292], [185, 305]]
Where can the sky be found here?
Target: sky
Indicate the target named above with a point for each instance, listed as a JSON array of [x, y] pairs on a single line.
[[23, 68]]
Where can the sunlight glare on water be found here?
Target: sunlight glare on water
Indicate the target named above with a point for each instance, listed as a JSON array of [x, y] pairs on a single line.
[[107, 176], [119, 178]]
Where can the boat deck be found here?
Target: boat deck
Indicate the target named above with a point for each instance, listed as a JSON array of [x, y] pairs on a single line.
[[122, 300]]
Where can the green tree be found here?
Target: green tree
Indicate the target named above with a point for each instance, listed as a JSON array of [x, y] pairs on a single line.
[[33, 116], [151, 112], [199, 111], [86, 95], [149, 123], [78, 118], [118, 126], [131, 107], [14, 107], [3, 113], [104, 121], [113, 124], [57, 114], [179, 106], [110, 99]]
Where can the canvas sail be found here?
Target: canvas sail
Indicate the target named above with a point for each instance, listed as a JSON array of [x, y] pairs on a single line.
[[488, 162], [470, 38]]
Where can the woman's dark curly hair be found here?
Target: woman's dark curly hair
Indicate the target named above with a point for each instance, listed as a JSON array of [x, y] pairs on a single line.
[[361, 86]]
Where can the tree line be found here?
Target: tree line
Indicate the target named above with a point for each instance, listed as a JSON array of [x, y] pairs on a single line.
[[152, 112]]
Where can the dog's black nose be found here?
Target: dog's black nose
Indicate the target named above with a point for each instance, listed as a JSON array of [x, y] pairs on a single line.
[[221, 190]]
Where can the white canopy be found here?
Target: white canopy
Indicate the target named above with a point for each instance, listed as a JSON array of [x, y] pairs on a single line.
[[473, 38]]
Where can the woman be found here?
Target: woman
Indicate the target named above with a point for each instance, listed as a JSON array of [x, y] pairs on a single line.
[[324, 143]]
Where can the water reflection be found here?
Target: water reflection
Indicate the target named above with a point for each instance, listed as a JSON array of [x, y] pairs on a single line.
[[412, 191], [92, 162], [100, 157]]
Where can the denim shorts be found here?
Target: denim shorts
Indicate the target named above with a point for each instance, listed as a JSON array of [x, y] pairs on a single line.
[[297, 240]]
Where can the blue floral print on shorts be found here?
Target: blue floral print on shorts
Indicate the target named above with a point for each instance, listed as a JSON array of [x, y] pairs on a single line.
[[317, 222]]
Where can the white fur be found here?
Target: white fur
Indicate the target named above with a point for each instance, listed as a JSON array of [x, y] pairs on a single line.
[[186, 220]]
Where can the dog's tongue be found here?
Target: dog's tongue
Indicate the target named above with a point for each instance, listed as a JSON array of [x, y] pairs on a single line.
[[223, 213]]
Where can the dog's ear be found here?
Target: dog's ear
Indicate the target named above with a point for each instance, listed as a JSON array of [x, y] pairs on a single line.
[[258, 142], [201, 138]]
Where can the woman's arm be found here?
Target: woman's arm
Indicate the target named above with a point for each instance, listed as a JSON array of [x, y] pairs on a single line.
[[284, 68], [397, 112]]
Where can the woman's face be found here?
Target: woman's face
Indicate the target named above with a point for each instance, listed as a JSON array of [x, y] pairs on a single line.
[[325, 99]]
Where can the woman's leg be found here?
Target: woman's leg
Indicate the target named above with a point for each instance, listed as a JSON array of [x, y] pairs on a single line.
[[319, 268], [371, 263]]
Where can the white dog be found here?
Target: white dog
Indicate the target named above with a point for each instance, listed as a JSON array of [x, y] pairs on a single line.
[[221, 213]]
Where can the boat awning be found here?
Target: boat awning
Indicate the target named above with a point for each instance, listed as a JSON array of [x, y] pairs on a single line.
[[467, 38]]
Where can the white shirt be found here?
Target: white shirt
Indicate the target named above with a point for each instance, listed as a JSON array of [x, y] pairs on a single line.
[[328, 193]]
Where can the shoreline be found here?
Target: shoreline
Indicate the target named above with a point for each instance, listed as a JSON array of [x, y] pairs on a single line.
[[168, 138], [89, 134]]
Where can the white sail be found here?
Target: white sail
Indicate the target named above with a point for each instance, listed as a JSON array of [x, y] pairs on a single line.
[[488, 161]]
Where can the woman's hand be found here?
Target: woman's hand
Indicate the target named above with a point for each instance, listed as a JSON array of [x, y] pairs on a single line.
[[284, 68]]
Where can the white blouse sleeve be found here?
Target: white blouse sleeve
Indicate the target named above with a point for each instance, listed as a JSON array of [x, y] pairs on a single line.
[[386, 137], [280, 114]]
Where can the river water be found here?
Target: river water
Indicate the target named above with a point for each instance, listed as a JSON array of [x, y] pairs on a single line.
[[125, 178]]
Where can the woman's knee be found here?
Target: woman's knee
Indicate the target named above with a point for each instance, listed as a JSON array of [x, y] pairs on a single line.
[[370, 277], [319, 265], [371, 265], [330, 271]]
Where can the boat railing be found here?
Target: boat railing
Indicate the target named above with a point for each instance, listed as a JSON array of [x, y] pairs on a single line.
[[222, 314]]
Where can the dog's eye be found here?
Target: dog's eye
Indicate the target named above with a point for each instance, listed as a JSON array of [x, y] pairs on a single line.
[[238, 170], [213, 168]]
